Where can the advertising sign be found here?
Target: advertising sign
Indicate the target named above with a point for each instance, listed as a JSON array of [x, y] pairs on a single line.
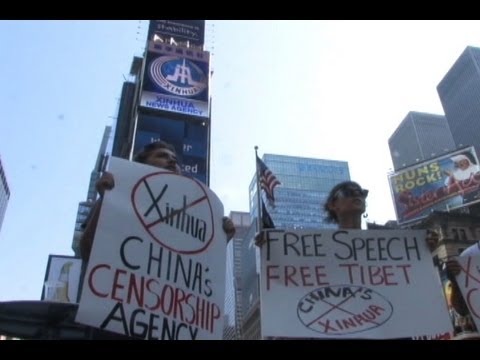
[[62, 279], [190, 140], [339, 284], [157, 266], [176, 79], [447, 182], [183, 32]]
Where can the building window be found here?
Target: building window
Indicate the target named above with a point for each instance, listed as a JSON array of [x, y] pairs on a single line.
[[455, 234], [459, 234]]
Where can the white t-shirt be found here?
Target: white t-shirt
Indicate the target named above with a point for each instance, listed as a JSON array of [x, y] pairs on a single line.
[[472, 250]]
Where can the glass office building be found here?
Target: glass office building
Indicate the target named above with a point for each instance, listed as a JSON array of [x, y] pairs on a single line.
[[235, 287], [84, 207], [459, 92], [419, 137], [4, 194], [306, 183]]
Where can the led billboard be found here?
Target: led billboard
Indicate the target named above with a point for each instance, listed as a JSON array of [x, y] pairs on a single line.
[[176, 80], [190, 140], [183, 32], [447, 182]]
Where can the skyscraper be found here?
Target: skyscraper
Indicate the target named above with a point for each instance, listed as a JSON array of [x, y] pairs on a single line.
[[4, 194], [459, 92], [419, 137], [84, 207], [306, 183], [234, 287]]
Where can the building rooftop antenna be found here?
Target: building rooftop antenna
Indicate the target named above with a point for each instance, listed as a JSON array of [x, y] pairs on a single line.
[[140, 36], [210, 43]]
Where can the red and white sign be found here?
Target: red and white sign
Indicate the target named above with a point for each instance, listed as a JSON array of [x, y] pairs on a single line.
[[469, 283], [372, 284], [157, 267]]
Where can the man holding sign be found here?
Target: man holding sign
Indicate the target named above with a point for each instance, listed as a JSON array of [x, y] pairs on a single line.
[[156, 269]]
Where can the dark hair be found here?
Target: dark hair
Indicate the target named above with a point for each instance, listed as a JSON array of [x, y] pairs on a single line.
[[142, 156], [331, 215]]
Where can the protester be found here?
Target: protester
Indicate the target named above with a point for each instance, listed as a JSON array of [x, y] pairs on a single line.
[[460, 308], [346, 204], [159, 154]]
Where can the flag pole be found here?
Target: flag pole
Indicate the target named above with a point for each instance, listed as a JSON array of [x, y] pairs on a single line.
[[259, 204]]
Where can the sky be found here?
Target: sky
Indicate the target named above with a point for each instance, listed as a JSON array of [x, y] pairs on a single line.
[[324, 89]]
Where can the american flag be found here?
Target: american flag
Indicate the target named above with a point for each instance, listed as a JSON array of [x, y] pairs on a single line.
[[268, 181], [267, 222]]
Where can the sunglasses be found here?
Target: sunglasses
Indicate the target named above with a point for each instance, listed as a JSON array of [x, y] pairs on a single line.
[[349, 192]]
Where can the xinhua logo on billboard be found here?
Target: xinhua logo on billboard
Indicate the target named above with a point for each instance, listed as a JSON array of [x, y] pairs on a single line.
[[178, 76]]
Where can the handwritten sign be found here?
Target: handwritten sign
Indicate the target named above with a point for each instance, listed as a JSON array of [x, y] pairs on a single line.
[[469, 283], [157, 267], [350, 284]]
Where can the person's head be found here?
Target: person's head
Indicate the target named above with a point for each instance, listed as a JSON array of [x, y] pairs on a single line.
[[159, 154], [346, 199], [461, 161]]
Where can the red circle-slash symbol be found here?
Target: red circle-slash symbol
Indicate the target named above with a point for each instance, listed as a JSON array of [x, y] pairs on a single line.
[[175, 211]]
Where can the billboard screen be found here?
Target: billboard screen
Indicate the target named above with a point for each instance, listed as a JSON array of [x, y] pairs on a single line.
[[182, 31], [176, 80], [190, 140], [62, 279], [447, 182]]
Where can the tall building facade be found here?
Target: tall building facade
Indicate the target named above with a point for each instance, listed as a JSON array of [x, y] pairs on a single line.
[[84, 207], [250, 286], [234, 287], [166, 98], [420, 136], [4, 194], [306, 183], [459, 92], [173, 99]]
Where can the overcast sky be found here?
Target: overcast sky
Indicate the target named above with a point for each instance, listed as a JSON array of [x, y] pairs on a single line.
[[324, 89]]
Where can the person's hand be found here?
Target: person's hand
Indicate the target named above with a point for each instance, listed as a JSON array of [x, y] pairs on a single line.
[[453, 267], [228, 227], [260, 238], [432, 240], [106, 182]]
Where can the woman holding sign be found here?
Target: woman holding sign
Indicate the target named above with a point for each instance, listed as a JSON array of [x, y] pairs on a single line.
[[346, 204], [159, 154]]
